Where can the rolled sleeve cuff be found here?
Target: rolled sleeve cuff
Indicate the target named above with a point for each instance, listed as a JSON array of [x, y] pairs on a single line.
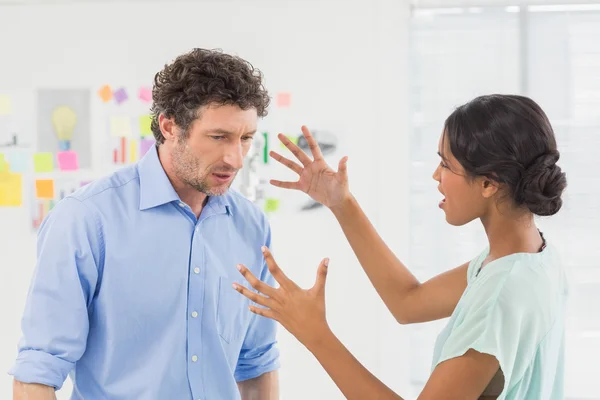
[[33, 366], [255, 367]]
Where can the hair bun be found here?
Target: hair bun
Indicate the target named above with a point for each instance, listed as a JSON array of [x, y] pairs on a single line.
[[542, 185]]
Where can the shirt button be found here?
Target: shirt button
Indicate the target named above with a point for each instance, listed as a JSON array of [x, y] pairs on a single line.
[[196, 270], [181, 204], [194, 358], [194, 314]]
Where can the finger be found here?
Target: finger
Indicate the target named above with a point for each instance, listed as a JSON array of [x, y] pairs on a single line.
[[321, 276], [277, 273], [264, 312], [256, 283], [297, 151], [255, 297], [343, 168], [287, 162], [285, 185], [312, 144]]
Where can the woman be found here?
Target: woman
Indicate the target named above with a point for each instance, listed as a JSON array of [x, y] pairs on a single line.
[[505, 335]]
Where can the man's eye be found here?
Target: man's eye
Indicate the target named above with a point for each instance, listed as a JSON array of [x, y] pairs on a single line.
[[247, 138], [218, 137]]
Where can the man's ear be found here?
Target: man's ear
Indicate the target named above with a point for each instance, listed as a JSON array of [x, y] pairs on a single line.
[[168, 127], [488, 187]]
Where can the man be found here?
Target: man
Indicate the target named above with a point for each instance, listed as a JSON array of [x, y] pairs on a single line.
[[132, 291]]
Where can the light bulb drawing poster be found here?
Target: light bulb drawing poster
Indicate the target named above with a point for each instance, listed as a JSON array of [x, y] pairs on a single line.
[[64, 123]]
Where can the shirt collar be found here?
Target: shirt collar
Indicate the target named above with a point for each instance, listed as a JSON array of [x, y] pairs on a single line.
[[156, 188]]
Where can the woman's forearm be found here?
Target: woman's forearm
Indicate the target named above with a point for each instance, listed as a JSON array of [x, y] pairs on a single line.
[[387, 273], [350, 376]]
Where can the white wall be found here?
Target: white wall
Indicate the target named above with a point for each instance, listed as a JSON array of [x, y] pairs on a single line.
[[345, 64]]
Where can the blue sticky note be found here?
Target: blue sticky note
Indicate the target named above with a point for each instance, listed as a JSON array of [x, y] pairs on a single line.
[[19, 161]]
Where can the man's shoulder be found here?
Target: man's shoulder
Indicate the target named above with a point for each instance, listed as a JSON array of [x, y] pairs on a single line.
[[241, 203], [100, 190], [244, 209]]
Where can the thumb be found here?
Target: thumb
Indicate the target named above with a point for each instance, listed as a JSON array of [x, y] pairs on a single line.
[[321, 276], [343, 168]]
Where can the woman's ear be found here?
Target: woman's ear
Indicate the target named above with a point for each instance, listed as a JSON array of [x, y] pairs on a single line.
[[488, 188]]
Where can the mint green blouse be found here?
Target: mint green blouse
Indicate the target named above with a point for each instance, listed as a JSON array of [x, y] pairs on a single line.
[[514, 309]]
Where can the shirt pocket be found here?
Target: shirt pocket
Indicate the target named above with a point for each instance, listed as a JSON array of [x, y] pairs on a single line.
[[233, 314]]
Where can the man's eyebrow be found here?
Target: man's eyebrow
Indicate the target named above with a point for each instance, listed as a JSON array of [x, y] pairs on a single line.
[[226, 132]]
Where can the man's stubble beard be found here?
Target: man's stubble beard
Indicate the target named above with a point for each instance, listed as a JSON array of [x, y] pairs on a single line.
[[186, 166]]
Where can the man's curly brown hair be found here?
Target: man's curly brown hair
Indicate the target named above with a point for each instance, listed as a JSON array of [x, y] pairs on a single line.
[[205, 77]]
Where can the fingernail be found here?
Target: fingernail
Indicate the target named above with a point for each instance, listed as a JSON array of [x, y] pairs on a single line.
[[239, 267], [327, 262], [264, 249], [234, 285]]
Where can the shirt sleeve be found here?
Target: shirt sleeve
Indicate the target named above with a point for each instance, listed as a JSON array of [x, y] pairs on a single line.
[[55, 320], [259, 353], [502, 318]]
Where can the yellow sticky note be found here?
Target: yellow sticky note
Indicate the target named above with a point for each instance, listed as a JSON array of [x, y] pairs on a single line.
[[293, 139], [5, 105], [44, 188], [11, 189], [120, 126], [145, 125], [43, 162], [271, 205]]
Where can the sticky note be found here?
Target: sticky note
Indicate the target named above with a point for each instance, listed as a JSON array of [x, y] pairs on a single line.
[[145, 145], [19, 161], [5, 105], [11, 189], [284, 99], [271, 205], [43, 162], [120, 95], [120, 126], [293, 139], [145, 94], [3, 163], [145, 125], [105, 93], [44, 188], [67, 160]]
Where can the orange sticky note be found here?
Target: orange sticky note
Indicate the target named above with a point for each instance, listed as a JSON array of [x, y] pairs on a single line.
[[44, 188], [105, 93], [11, 189]]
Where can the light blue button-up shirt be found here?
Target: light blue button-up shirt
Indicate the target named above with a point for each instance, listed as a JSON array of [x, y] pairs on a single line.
[[132, 293]]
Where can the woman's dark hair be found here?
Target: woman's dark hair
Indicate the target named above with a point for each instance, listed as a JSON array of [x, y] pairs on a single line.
[[202, 77], [509, 140]]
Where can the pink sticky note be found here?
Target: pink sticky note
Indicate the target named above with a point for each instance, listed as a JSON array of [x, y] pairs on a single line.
[[145, 145], [67, 160], [284, 99], [145, 94]]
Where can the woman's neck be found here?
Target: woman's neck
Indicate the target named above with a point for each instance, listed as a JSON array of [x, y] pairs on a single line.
[[511, 234]]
